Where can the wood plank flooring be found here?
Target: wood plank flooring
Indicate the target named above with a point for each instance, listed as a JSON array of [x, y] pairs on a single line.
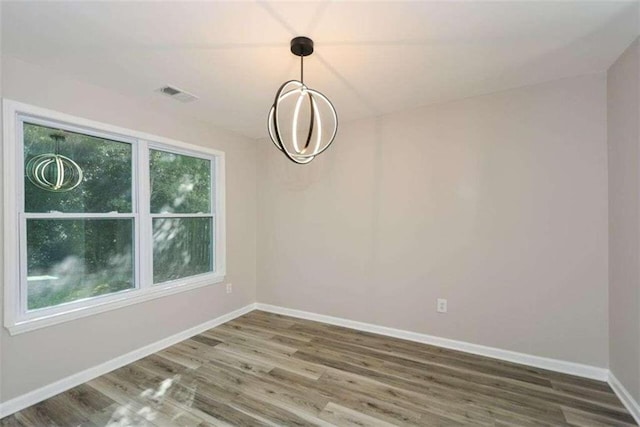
[[266, 369]]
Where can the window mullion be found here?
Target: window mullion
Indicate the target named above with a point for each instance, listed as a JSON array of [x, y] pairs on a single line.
[[144, 232]]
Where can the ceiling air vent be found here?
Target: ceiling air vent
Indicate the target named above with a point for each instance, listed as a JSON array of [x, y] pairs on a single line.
[[177, 94]]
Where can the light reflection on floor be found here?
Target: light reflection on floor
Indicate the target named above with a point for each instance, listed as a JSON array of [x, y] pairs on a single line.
[[152, 406]]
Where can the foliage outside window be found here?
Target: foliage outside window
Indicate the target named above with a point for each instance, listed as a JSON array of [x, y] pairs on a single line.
[[143, 221], [181, 211], [69, 257]]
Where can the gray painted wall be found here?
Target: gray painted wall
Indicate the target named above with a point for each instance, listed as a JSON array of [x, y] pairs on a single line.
[[34, 359], [497, 203], [623, 124]]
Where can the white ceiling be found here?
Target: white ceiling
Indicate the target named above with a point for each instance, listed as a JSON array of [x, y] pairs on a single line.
[[371, 57]]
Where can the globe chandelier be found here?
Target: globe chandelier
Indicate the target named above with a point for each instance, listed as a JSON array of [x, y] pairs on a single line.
[[53, 171], [302, 122]]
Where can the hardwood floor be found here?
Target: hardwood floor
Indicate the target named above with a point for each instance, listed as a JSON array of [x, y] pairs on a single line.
[[266, 369]]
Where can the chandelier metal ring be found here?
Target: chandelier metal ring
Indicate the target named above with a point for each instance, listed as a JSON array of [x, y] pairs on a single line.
[[319, 133], [316, 141], [54, 172]]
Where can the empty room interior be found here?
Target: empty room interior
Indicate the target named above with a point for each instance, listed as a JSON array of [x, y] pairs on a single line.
[[329, 213]]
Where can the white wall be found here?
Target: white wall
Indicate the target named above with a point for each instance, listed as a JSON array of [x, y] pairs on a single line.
[[34, 359], [498, 203], [623, 124]]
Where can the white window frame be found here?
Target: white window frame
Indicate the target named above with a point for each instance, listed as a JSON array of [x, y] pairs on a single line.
[[16, 318]]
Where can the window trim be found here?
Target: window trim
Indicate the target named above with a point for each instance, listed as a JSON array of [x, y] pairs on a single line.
[[15, 321]]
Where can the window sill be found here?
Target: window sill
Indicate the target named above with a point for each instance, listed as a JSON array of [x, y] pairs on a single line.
[[96, 306]]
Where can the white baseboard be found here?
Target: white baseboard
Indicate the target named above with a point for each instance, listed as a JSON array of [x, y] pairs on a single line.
[[623, 394], [571, 368], [578, 369], [16, 404]]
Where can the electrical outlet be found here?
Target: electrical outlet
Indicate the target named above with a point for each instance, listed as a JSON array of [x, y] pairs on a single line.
[[229, 288], [442, 305]]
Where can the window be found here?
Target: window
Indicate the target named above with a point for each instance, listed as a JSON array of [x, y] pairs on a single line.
[[181, 212], [97, 217], [79, 243]]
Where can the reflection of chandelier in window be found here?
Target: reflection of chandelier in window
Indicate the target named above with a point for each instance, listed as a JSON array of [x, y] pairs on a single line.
[[54, 172]]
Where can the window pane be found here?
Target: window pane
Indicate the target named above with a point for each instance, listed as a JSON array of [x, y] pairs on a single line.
[[179, 183], [73, 259], [182, 247], [105, 166]]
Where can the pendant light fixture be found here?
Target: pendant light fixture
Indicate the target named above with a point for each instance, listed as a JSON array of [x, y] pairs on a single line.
[[302, 121], [53, 171]]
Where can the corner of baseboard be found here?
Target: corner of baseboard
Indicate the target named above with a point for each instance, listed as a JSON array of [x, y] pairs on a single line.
[[623, 394]]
